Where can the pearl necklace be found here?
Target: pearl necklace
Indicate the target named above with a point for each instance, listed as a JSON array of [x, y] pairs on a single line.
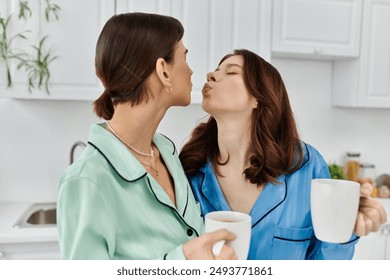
[[135, 150], [124, 142]]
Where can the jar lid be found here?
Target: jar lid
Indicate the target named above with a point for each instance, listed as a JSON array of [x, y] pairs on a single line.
[[352, 154], [367, 165]]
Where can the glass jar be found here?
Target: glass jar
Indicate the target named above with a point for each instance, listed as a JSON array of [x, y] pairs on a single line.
[[367, 171], [384, 191], [352, 166]]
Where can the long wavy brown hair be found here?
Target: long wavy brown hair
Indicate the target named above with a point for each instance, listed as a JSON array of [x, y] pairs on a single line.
[[274, 134]]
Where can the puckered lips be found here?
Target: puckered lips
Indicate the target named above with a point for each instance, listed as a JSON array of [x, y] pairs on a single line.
[[206, 88]]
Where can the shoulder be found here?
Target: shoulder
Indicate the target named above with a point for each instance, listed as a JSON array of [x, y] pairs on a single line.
[[312, 154], [84, 168], [313, 160], [204, 171], [81, 164], [165, 143]]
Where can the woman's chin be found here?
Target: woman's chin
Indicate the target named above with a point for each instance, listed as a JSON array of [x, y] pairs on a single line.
[[185, 102], [205, 106]]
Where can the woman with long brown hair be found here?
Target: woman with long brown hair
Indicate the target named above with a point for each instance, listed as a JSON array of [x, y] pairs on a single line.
[[127, 197], [248, 157]]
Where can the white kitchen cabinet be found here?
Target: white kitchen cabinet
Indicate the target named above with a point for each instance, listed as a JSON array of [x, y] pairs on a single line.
[[165, 7], [213, 28], [316, 28], [364, 82], [30, 251], [72, 38], [3, 8]]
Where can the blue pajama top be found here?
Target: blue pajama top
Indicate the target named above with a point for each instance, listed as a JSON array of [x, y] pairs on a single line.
[[281, 222]]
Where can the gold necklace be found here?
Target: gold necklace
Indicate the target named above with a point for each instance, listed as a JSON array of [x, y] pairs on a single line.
[[155, 170], [135, 150], [124, 142]]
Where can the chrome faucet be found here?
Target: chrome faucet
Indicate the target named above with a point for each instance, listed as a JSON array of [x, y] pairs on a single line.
[[75, 145]]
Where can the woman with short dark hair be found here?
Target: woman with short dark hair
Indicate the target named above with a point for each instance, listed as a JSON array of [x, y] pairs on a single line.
[[126, 196]]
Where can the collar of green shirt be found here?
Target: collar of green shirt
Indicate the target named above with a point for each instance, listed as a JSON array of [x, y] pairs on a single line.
[[121, 159]]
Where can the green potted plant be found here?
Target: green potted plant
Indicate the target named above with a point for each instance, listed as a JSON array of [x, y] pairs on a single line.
[[36, 65], [336, 171]]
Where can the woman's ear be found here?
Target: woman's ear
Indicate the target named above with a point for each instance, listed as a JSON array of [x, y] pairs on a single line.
[[163, 73], [254, 103]]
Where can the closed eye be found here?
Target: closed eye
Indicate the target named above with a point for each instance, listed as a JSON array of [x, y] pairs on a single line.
[[231, 73]]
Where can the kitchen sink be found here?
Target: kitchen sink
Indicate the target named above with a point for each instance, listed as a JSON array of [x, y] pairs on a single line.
[[38, 215]]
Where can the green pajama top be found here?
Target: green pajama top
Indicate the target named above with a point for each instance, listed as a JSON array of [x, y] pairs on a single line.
[[109, 207]]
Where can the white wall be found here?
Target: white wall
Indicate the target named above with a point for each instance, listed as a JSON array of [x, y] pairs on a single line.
[[36, 136], [334, 130]]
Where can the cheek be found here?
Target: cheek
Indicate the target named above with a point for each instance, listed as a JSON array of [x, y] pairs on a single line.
[[234, 98], [183, 76], [187, 70], [232, 91], [183, 68]]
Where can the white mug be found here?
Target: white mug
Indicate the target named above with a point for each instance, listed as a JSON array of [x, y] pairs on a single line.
[[236, 222], [334, 208]]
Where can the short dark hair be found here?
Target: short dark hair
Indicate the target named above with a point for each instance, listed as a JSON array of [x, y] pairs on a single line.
[[126, 53]]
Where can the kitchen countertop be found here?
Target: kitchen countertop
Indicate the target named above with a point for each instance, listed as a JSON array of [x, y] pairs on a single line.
[[9, 214]]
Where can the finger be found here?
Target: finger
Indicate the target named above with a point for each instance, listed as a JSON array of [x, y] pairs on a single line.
[[371, 217], [227, 253], [371, 203], [366, 224], [366, 189], [360, 227], [221, 234], [374, 211]]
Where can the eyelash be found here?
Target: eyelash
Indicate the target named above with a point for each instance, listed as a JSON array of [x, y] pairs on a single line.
[[231, 73]]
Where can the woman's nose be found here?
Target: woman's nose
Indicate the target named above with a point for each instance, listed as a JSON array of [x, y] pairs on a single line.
[[210, 76]]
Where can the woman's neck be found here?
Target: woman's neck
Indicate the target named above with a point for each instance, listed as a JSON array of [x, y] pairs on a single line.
[[136, 125], [234, 140]]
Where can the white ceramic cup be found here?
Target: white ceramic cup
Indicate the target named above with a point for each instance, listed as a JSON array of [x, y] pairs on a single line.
[[236, 222], [334, 208]]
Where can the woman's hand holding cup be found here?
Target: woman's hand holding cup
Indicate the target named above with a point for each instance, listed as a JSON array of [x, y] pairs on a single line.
[[200, 248], [371, 213]]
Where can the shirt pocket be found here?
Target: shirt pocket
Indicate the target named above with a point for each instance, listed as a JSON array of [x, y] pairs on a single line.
[[291, 243]]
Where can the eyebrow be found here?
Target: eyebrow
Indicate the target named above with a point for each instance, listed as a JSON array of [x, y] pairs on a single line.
[[231, 65]]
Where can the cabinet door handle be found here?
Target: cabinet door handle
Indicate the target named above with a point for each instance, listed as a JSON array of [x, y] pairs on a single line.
[[385, 229], [318, 50]]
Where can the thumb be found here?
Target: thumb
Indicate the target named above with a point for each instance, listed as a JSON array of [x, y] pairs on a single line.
[[221, 234], [366, 189]]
